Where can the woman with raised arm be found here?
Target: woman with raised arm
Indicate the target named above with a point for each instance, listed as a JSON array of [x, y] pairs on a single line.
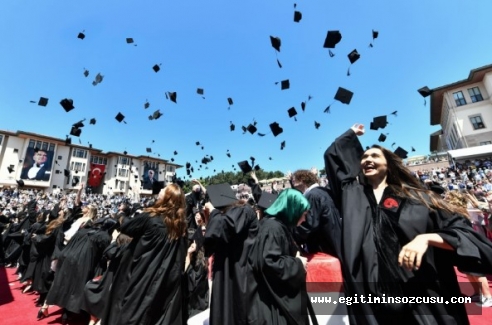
[[147, 287], [398, 238]]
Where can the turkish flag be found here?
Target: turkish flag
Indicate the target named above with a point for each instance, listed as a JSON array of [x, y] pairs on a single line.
[[96, 175]]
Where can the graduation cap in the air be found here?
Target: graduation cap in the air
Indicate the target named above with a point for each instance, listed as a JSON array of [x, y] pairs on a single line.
[[413, 149], [43, 101], [353, 57], [20, 182], [149, 149], [284, 84], [333, 37], [303, 106], [98, 79], [172, 96], [400, 152], [292, 113], [221, 195], [81, 35], [92, 121], [282, 145], [10, 169], [156, 68], [379, 122], [66, 172], [129, 40], [175, 152], [68, 141], [75, 131], [120, 117], [342, 95], [375, 35], [382, 137], [316, 125], [228, 154], [79, 124], [276, 43], [297, 16], [245, 166], [86, 73], [425, 92], [251, 128], [67, 104], [276, 129], [156, 115], [232, 127]]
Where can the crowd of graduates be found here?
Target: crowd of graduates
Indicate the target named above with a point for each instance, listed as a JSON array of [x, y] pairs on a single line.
[[162, 260]]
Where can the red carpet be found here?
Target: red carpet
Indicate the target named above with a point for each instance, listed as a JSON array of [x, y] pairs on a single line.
[[17, 308]]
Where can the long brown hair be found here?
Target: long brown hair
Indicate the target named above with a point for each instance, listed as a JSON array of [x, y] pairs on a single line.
[[54, 224], [459, 200], [403, 184], [171, 207]]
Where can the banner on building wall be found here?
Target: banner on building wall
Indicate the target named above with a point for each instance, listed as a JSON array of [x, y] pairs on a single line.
[[96, 175], [37, 165], [150, 177]]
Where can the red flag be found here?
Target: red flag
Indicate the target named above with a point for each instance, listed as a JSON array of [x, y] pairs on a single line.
[[96, 175]]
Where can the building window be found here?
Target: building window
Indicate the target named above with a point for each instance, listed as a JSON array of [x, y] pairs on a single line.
[[170, 169], [477, 122], [475, 94], [1, 139], [483, 143], [79, 153], [459, 98], [78, 166], [122, 172], [124, 161], [99, 160]]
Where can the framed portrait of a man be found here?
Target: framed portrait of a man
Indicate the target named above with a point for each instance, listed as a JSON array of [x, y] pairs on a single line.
[[37, 165]]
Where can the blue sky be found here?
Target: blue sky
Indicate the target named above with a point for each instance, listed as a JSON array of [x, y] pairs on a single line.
[[224, 47]]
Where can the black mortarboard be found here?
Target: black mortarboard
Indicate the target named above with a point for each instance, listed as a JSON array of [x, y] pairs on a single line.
[[379, 122], [230, 101], [92, 121], [98, 79], [66, 172], [79, 124], [232, 127], [156, 68], [257, 167], [275, 43], [297, 16], [266, 200], [188, 165], [333, 37], [400, 152], [173, 96], [20, 182], [303, 106], [251, 129], [413, 149], [125, 152], [276, 129], [221, 195], [245, 166], [120, 117], [382, 137], [146, 105], [375, 34], [75, 131], [199, 91], [285, 84], [343, 95], [149, 149], [81, 36], [197, 143], [67, 104], [175, 152], [292, 112], [86, 73], [129, 40], [10, 169], [282, 145], [353, 56], [68, 141], [317, 125], [43, 101], [228, 155], [425, 91], [157, 114]]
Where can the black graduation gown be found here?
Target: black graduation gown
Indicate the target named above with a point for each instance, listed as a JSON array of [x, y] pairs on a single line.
[[75, 267], [361, 261], [281, 277], [197, 294], [229, 237], [322, 230], [45, 246], [147, 287]]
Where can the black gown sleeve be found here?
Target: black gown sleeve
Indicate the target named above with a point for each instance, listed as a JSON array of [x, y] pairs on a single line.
[[473, 251], [342, 163], [135, 227]]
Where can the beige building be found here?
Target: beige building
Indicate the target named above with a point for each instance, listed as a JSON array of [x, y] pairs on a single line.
[[464, 111], [52, 164]]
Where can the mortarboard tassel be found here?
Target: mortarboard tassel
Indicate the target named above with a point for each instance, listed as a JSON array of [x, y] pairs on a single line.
[[279, 64], [348, 72]]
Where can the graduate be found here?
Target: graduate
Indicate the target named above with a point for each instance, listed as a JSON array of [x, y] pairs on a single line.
[[279, 269], [399, 239], [147, 286]]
